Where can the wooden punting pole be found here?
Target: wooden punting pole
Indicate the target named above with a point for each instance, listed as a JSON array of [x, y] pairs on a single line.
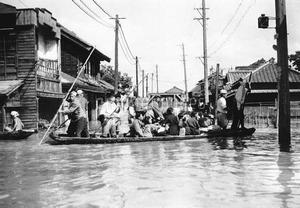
[[69, 91]]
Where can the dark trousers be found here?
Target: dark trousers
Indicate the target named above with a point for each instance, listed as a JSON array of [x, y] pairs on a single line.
[[78, 128], [238, 117]]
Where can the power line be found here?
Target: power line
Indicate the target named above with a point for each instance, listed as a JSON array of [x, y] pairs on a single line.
[[94, 13], [229, 22], [100, 7], [122, 32], [23, 3], [91, 16], [233, 31], [127, 58]]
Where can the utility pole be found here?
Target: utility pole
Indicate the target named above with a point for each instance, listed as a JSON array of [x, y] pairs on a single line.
[[185, 80], [152, 78], [203, 18], [137, 75], [284, 130], [143, 84], [147, 85], [217, 89], [116, 52], [156, 78]]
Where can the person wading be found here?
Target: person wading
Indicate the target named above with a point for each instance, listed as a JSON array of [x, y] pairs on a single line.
[[78, 124], [239, 101], [222, 110]]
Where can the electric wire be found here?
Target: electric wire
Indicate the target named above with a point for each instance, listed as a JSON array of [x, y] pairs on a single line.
[[100, 7], [127, 58], [91, 16], [233, 31], [228, 23], [122, 33], [23, 3], [94, 13]]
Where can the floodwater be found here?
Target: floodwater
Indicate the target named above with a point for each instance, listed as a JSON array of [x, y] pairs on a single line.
[[193, 173]]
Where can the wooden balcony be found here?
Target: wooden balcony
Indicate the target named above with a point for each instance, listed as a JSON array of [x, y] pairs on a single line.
[[48, 69]]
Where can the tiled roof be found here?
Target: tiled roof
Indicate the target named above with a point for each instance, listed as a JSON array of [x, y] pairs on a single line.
[[175, 90], [269, 73], [233, 76]]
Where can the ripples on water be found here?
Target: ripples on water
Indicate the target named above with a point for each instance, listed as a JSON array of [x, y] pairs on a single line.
[[195, 173]]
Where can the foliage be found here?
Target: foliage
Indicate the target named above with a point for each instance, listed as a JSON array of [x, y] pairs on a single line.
[[295, 60], [108, 74]]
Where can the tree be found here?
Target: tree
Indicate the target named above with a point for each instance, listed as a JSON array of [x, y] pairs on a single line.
[[295, 60], [108, 74]]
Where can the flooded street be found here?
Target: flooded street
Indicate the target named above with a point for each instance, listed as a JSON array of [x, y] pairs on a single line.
[[194, 173]]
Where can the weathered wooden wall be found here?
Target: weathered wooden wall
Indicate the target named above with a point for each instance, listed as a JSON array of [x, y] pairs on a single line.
[[26, 53]]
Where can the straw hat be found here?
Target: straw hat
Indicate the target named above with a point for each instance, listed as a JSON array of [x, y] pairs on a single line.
[[223, 92], [79, 92], [14, 113]]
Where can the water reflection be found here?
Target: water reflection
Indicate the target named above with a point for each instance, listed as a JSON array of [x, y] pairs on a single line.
[[286, 173], [220, 172]]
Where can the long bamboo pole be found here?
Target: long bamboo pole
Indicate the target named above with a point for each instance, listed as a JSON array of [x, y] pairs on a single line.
[[69, 91]]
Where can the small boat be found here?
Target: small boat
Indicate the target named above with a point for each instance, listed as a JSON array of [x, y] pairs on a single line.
[[63, 139], [17, 135]]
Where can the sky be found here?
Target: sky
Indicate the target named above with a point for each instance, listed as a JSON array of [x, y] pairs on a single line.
[[155, 30]]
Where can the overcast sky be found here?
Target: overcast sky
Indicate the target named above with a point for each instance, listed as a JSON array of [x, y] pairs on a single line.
[[155, 28]]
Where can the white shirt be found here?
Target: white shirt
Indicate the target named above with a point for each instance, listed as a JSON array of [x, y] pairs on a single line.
[[108, 109], [221, 105]]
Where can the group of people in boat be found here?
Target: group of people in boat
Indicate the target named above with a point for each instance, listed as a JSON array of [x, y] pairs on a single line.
[[150, 122]]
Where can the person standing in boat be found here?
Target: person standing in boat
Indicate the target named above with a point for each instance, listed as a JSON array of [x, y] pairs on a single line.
[[238, 104], [172, 121], [17, 124], [78, 124], [110, 112], [222, 110], [83, 102]]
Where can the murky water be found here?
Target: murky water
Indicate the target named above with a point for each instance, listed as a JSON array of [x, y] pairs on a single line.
[[194, 173]]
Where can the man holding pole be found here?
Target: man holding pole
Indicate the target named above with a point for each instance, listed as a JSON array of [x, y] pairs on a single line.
[[78, 125], [239, 101]]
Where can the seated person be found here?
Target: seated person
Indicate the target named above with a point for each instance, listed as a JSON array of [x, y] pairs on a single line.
[[136, 128], [17, 124], [149, 128], [110, 116], [172, 121], [192, 125], [205, 120]]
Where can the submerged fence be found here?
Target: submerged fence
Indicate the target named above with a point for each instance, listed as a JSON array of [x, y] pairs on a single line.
[[265, 115]]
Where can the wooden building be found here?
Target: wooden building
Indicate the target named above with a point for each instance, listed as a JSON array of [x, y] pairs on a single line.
[[34, 51], [197, 94], [174, 97], [29, 54], [261, 103], [74, 52]]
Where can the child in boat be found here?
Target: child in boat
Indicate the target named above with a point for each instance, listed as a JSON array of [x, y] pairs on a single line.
[[192, 125], [136, 128], [149, 128], [17, 124]]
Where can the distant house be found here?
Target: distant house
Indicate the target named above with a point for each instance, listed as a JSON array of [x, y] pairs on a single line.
[[262, 101], [174, 97], [197, 94]]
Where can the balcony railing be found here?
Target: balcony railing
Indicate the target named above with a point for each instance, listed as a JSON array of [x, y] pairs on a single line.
[[48, 68]]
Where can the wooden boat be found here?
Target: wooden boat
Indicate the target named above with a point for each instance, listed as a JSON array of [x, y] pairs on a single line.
[[65, 140], [17, 135]]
